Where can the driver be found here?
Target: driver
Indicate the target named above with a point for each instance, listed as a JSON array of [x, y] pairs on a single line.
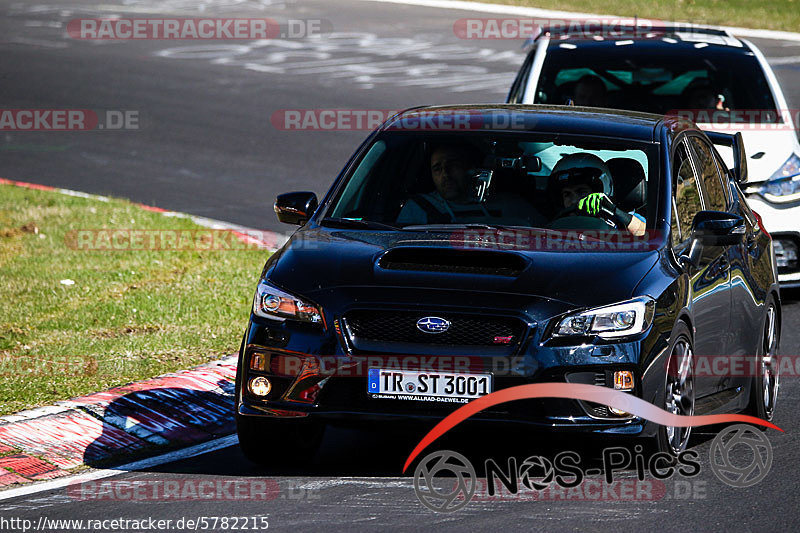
[[583, 182], [453, 199]]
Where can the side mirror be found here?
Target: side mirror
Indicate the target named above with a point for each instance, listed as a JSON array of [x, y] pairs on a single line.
[[718, 228], [295, 207], [736, 143], [740, 157]]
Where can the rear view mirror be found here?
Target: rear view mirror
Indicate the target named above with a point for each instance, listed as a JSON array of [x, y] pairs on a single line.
[[532, 163], [295, 207], [528, 163]]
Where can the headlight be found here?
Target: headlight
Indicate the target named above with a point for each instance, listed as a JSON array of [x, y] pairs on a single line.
[[784, 184], [618, 320], [271, 302]]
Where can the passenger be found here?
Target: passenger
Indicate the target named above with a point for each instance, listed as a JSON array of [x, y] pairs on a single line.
[[700, 94], [590, 91], [583, 184]]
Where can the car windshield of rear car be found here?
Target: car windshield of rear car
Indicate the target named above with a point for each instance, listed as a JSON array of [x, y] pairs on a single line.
[[657, 78]]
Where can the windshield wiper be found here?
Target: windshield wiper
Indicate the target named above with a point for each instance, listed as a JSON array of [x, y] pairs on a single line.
[[472, 225], [560, 234], [357, 223]]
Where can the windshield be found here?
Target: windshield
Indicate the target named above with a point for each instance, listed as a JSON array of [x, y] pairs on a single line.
[[656, 79], [499, 179]]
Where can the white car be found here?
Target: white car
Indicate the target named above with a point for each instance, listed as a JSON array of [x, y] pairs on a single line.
[[720, 82]]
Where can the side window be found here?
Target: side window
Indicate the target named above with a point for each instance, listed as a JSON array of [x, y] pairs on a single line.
[[726, 179], [687, 197], [709, 173], [518, 87], [353, 191]]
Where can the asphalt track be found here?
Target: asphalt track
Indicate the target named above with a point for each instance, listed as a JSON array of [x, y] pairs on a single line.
[[206, 145]]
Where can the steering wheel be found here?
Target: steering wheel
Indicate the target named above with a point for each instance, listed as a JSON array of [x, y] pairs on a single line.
[[568, 210], [591, 222]]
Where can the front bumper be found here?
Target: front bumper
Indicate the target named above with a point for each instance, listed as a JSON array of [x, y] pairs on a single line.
[[782, 221], [329, 382]]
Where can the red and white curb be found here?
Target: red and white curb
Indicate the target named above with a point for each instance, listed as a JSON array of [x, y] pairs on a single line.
[[178, 409], [269, 240], [191, 408]]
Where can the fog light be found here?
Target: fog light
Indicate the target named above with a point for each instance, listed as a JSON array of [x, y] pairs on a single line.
[[258, 361], [260, 386], [623, 380], [785, 253]]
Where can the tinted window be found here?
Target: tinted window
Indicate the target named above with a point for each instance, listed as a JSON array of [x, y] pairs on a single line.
[[416, 178], [655, 77], [687, 197], [709, 174]]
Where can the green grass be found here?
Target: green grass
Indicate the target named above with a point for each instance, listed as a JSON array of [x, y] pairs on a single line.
[[775, 15], [129, 315]]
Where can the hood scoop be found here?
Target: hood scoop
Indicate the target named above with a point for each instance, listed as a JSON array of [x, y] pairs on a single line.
[[485, 262]]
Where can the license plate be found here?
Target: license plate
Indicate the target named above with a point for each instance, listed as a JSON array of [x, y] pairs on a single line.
[[427, 386]]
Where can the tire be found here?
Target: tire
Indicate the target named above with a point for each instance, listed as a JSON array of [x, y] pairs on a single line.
[[678, 391], [279, 442], [765, 382]]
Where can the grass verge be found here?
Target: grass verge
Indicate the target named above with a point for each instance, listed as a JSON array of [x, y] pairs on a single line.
[[776, 15], [127, 315]]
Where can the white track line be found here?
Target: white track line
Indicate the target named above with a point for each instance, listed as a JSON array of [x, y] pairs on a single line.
[[143, 464], [547, 13], [278, 238]]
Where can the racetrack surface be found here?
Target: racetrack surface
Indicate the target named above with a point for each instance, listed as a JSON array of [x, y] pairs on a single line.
[[206, 145]]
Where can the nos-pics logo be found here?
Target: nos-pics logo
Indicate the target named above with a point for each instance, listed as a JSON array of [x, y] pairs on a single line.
[[445, 481]]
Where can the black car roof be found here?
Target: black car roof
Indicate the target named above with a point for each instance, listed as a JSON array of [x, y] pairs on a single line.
[[540, 118]]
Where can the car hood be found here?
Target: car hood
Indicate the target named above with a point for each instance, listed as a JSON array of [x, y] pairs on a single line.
[[317, 261], [766, 150]]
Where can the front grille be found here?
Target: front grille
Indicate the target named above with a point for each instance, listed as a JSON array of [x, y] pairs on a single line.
[[464, 330]]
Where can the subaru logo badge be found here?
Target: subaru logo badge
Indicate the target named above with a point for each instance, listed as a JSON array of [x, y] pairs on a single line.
[[433, 324]]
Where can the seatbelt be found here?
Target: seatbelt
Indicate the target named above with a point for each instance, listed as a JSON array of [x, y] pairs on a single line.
[[434, 216]]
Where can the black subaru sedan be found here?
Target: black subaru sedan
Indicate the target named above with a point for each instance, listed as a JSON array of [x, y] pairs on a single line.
[[467, 249]]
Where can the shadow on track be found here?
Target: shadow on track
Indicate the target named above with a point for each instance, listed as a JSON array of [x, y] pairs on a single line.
[[378, 450]]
